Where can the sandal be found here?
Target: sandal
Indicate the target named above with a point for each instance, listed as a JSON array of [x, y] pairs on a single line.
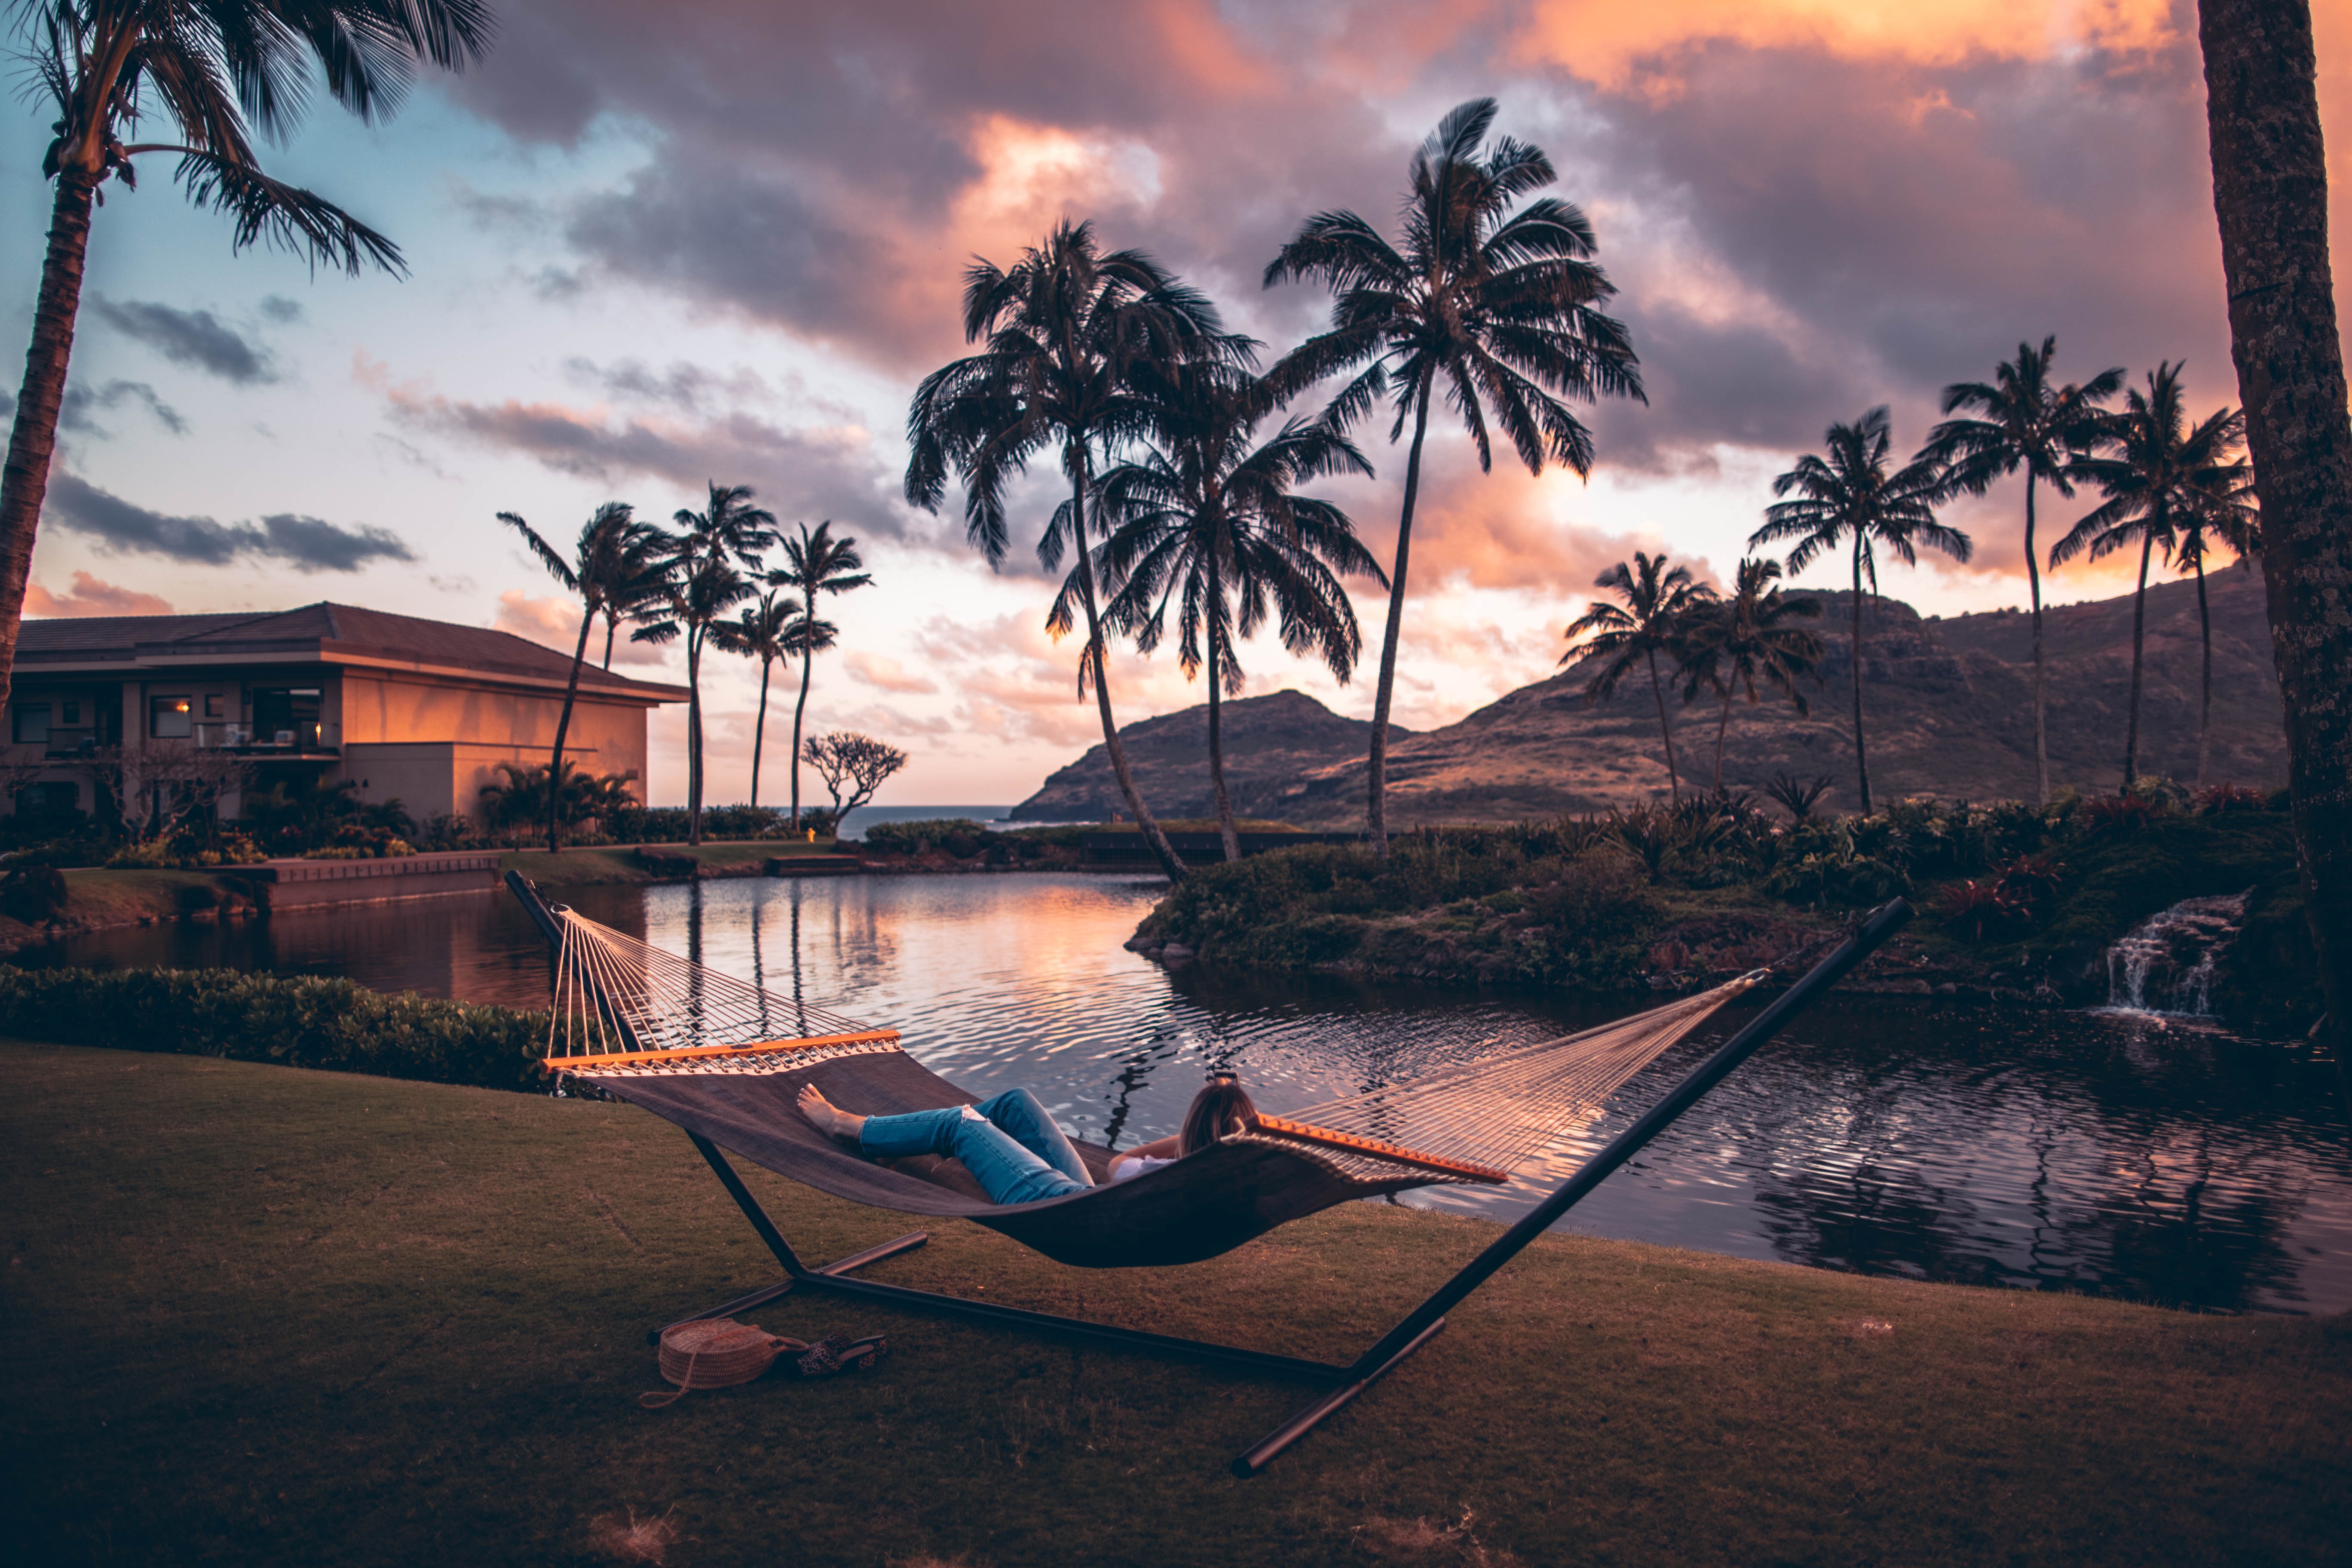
[[839, 1353]]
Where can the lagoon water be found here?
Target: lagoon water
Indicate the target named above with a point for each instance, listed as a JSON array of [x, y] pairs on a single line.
[[2137, 1157]]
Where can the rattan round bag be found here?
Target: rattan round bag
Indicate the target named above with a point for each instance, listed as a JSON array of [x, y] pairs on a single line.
[[715, 1353]]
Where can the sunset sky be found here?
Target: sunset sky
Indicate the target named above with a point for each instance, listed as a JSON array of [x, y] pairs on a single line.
[[651, 245]]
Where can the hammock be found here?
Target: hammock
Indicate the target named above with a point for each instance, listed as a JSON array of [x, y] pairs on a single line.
[[725, 1061]]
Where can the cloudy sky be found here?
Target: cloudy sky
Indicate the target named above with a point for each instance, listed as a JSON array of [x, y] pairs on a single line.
[[655, 246]]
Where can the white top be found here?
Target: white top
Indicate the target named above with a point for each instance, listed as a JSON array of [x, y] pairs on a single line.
[[1126, 1165]]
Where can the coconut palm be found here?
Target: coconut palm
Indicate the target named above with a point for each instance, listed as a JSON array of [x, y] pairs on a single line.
[[1660, 603], [2156, 472], [1065, 328], [218, 70], [1495, 311], [1209, 520], [705, 586], [805, 639], [759, 631], [617, 560], [2024, 422], [1853, 495], [2224, 517], [815, 563], [1733, 644]]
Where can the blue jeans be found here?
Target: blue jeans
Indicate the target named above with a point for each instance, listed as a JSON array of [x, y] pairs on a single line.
[[1008, 1143]]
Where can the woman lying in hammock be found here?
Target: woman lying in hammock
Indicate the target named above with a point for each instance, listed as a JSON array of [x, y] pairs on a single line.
[[1013, 1148]]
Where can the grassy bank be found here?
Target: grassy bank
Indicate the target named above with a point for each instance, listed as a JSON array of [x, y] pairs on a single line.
[[270, 1316], [620, 865]]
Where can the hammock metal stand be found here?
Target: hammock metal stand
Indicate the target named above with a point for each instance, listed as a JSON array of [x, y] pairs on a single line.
[[1411, 1332]]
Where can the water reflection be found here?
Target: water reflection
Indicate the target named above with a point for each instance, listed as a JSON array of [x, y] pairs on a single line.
[[2114, 1155]]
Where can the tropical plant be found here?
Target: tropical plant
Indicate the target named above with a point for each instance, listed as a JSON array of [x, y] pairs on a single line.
[[2022, 422], [219, 70], [1733, 644], [853, 767], [815, 563], [1204, 517], [617, 561], [760, 631], [1066, 326], [2157, 472], [1853, 495], [1660, 602], [729, 532], [523, 799], [1497, 312], [2220, 517], [1796, 797]]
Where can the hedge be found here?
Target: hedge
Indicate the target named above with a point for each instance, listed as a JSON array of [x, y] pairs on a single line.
[[293, 1020]]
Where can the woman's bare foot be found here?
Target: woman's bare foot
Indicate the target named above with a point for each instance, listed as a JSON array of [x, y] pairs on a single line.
[[827, 1117]]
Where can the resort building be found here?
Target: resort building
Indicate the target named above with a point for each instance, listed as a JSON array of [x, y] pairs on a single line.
[[421, 711]]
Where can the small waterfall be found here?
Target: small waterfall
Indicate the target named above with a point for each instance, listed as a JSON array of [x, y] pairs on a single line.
[[2166, 963]]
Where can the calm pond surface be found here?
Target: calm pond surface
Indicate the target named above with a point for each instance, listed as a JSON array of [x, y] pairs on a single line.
[[2158, 1159]]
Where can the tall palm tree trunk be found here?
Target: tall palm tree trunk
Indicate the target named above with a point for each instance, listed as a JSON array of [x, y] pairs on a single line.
[[1861, 755], [760, 731], [1145, 822], [2270, 194], [2205, 693], [1673, 771], [2139, 638], [1376, 779], [1722, 728], [611, 625], [808, 657], [693, 738], [25, 480], [2040, 707], [1226, 827], [563, 727]]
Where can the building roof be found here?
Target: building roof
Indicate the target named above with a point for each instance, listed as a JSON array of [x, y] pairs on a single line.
[[321, 632]]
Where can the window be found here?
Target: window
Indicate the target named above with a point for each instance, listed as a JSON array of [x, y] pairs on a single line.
[[168, 718], [216, 706], [32, 724], [69, 714]]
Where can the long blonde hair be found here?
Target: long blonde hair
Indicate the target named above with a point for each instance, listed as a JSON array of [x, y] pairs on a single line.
[[1219, 1110]]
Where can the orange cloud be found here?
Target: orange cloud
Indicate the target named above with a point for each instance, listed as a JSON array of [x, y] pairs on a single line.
[[886, 673], [88, 596], [555, 623]]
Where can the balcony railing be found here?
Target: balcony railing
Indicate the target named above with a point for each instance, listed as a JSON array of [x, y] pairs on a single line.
[[290, 739]]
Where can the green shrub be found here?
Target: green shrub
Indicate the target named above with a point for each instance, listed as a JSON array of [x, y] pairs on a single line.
[[291, 1020]]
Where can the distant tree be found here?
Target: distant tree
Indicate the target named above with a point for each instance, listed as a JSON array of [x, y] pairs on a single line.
[[2022, 422], [815, 563], [1207, 518], [1854, 495], [853, 767], [1495, 311], [2225, 518], [2156, 471], [759, 631], [710, 544], [219, 69], [1733, 644], [617, 560], [1659, 605], [1065, 327], [1797, 797]]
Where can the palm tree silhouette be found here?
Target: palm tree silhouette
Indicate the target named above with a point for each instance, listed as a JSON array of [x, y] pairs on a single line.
[[1205, 517], [1734, 643], [2155, 472], [1065, 328], [815, 563], [2025, 423], [2228, 519], [1500, 308], [1659, 605], [759, 631], [1851, 494], [617, 559], [708, 546], [219, 71]]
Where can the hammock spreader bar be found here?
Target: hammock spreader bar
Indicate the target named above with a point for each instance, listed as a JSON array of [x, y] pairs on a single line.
[[1409, 1335]]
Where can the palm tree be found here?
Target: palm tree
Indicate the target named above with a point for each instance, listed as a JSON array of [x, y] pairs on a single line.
[[816, 563], [1497, 309], [760, 631], [1851, 494], [729, 532], [219, 69], [2155, 472], [617, 558], [2025, 423], [1065, 328], [2227, 519], [1737, 642], [1207, 518], [1659, 605], [705, 587]]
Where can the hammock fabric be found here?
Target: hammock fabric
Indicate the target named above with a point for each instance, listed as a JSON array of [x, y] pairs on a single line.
[[725, 1061]]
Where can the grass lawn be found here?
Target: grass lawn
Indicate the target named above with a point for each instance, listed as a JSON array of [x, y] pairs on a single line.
[[259, 1315], [604, 864]]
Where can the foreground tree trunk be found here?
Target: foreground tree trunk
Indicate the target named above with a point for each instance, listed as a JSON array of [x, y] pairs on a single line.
[[24, 482], [1226, 827], [2270, 194], [563, 727], [2139, 640], [2041, 705], [1376, 774], [1860, 757], [1145, 822]]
